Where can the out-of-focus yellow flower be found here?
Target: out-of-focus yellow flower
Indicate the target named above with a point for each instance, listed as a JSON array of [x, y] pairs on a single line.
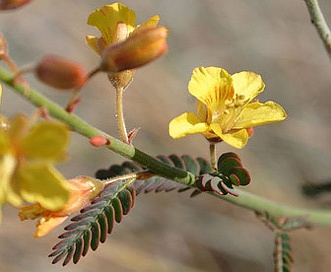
[[116, 23], [82, 190], [225, 109], [27, 152]]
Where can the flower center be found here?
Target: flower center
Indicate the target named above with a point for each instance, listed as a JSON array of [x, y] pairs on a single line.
[[230, 112]]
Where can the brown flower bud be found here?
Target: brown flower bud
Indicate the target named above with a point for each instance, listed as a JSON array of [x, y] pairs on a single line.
[[60, 73], [12, 4], [139, 49]]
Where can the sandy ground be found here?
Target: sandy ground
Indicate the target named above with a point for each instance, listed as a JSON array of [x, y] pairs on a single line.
[[171, 232]]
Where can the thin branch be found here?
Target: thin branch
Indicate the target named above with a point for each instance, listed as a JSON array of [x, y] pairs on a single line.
[[245, 199], [318, 20]]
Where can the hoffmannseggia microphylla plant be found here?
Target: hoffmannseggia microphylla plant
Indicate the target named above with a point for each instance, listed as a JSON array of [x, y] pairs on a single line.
[[227, 111]]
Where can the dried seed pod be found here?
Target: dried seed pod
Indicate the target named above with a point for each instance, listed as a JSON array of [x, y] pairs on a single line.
[[60, 73]]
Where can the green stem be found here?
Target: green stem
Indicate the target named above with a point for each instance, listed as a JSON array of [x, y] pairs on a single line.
[[80, 126], [120, 116], [318, 20], [246, 200], [257, 203], [212, 153]]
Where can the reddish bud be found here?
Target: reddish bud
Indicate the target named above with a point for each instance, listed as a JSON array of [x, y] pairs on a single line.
[[139, 49], [60, 73], [12, 4], [99, 140]]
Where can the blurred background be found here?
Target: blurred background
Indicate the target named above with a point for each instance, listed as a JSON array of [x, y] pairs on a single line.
[[171, 232]]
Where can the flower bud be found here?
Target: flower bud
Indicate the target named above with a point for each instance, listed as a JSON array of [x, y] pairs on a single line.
[[99, 140], [139, 49], [60, 73], [12, 4]]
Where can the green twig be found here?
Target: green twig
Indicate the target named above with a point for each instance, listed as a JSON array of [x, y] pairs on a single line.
[[317, 18], [246, 200]]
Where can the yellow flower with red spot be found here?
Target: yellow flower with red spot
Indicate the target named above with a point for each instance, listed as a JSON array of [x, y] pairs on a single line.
[[226, 110], [28, 150], [82, 190]]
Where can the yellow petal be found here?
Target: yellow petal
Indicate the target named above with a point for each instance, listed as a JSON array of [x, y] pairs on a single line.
[[32, 211], [212, 86], [106, 19], [8, 187], [45, 225], [256, 113], [92, 42], [46, 140], [203, 112], [18, 126], [248, 84], [5, 146], [237, 139], [185, 124], [151, 22], [43, 184]]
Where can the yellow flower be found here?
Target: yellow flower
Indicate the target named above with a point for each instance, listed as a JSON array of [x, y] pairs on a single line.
[[27, 151], [226, 110], [116, 23], [82, 190]]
